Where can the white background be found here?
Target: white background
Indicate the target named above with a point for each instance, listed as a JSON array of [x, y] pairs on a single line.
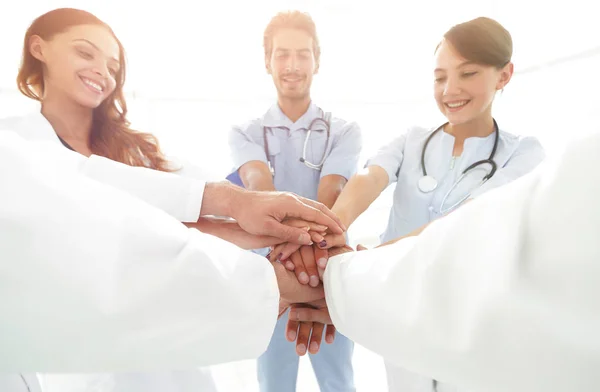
[[196, 68]]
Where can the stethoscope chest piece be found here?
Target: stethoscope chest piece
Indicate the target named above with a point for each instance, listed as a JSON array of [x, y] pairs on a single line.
[[427, 184]]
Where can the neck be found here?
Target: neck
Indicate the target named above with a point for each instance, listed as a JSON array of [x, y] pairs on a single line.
[[479, 127], [70, 121], [294, 108]]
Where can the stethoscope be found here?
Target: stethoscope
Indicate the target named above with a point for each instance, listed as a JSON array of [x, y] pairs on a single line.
[[428, 184], [324, 120]]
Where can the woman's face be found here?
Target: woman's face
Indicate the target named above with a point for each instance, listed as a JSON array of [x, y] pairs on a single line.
[[465, 90], [80, 64]]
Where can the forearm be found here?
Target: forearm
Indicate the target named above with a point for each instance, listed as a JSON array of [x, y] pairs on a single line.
[[231, 231], [329, 192], [220, 198], [257, 181], [356, 197]]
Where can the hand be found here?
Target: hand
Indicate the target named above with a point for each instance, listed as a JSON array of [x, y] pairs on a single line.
[[229, 230], [302, 323], [262, 213], [291, 291], [283, 251], [303, 263], [338, 250]]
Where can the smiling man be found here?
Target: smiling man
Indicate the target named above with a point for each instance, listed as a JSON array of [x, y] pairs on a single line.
[[296, 146]]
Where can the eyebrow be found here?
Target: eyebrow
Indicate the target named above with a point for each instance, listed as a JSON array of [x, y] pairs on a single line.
[[95, 46], [464, 63], [289, 50]]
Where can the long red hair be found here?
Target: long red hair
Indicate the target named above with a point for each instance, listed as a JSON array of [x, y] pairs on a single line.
[[111, 135]]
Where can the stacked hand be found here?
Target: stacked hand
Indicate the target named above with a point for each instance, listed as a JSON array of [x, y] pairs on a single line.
[[307, 320]]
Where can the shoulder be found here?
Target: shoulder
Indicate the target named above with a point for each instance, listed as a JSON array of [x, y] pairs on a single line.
[[252, 128], [520, 143], [13, 123], [341, 126]]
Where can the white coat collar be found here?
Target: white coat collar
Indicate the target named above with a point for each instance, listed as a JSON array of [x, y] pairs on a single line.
[[35, 127]]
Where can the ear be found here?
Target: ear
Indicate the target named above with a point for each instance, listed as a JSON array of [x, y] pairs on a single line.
[[37, 47], [268, 65], [506, 74], [317, 64]]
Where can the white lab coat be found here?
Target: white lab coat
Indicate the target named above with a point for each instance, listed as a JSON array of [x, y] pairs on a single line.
[[93, 279], [35, 127], [501, 295]]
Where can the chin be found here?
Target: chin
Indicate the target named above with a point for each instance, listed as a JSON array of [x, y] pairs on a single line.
[[89, 103], [459, 118], [294, 94]]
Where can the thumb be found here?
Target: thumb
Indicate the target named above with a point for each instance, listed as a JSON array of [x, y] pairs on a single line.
[[360, 247]]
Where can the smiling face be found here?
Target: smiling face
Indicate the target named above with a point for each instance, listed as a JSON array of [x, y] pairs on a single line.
[[292, 63], [465, 90], [81, 64]]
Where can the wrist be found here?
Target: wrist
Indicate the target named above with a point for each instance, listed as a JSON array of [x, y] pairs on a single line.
[[339, 212], [221, 199]]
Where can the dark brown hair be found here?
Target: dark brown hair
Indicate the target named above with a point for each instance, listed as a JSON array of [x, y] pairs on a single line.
[[482, 40]]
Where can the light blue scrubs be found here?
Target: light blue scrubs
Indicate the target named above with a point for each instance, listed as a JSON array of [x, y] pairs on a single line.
[[401, 159], [278, 366]]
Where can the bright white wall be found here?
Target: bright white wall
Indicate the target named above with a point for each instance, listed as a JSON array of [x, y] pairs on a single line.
[[194, 73]]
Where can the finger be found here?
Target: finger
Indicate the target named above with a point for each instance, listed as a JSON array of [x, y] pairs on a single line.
[[305, 314], [316, 337], [333, 240], [330, 334], [360, 247], [321, 256], [299, 269], [302, 224], [303, 336], [284, 233], [310, 210], [291, 330], [288, 249], [308, 259], [316, 237], [276, 253]]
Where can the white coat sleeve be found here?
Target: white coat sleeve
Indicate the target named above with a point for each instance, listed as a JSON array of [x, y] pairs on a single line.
[[92, 279], [501, 295], [179, 196]]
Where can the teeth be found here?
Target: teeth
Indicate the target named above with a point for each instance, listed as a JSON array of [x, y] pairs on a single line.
[[456, 104], [92, 84]]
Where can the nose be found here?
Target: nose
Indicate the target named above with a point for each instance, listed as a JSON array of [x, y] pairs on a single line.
[[101, 69], [452, 86], [292, 63]]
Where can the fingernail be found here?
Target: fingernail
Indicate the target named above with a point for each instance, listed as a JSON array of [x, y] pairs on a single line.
[[322, 262], [314, 347], [314, 281], [289, 265], [291, 335], [323, 244], [328, 338], [304, 238], [303, 277], [279, 257], [302, 349]]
